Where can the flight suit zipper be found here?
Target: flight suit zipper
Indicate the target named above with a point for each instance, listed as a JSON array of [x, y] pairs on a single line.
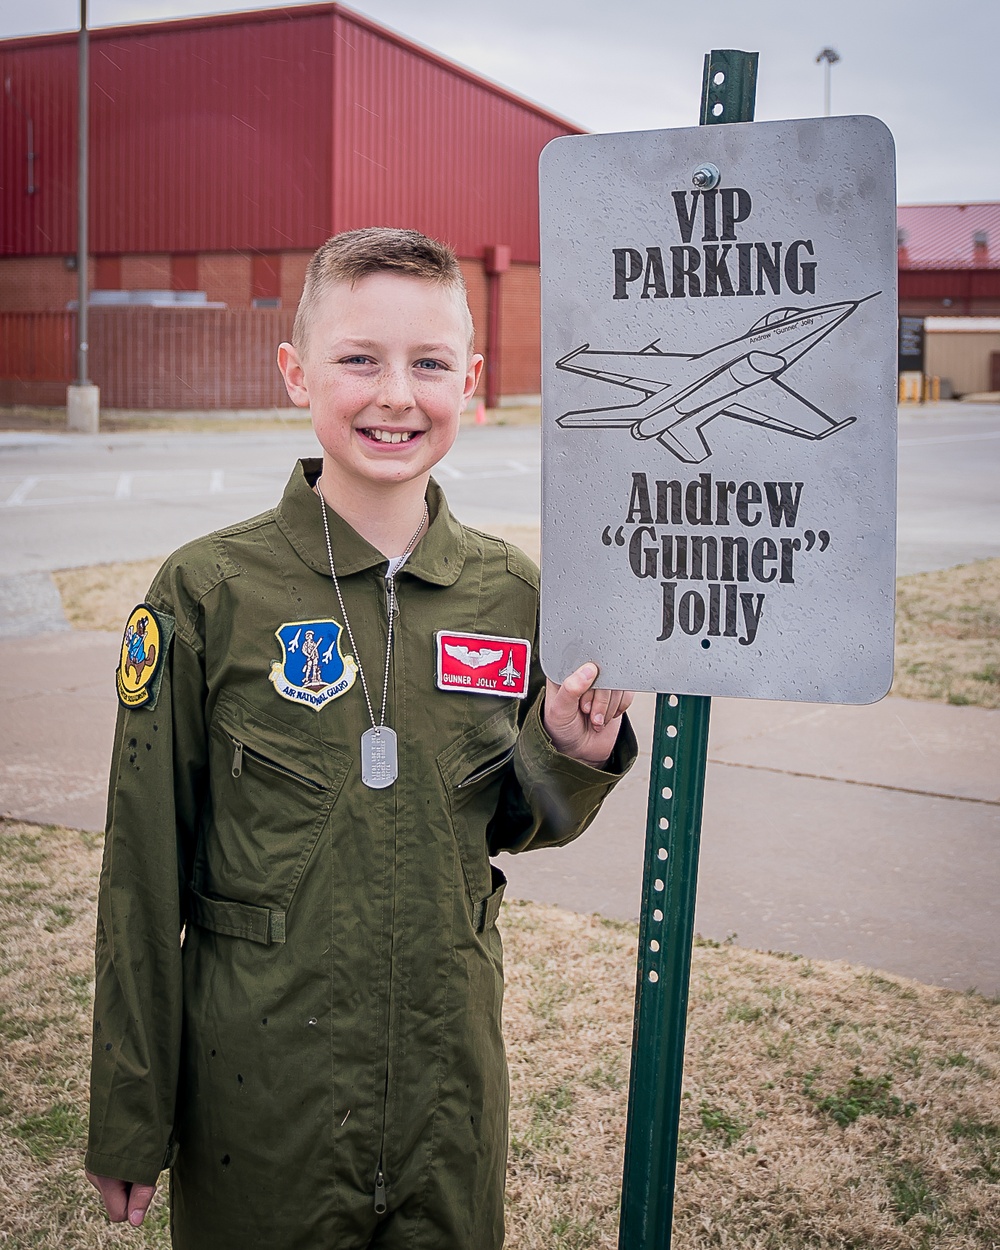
[[487, 770], [381, 1204], [240, 750], [379, 1190]]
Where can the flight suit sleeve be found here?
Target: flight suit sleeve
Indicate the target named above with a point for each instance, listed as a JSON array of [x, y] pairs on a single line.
[[155, 797], [548, 798]]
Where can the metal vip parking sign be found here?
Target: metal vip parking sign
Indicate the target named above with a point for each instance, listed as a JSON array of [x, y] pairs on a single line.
[[719, 408]]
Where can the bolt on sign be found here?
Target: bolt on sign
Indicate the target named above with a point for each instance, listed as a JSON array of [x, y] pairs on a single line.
[[719, 408]]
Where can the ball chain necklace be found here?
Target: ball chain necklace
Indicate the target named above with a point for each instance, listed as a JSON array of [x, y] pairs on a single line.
[[379, 754]]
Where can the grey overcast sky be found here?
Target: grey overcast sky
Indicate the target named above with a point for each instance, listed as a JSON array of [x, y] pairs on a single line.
[[927, 68]]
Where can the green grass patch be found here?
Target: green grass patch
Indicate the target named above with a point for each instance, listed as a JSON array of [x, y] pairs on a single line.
[[864, 1095], [53, 1130], [720, 1123]]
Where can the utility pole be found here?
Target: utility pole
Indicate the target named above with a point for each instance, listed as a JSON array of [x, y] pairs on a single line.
[[82, 396], [829, 56]]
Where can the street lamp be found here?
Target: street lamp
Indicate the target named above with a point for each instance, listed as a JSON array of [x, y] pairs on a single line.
[[829, 56], [82, 396]]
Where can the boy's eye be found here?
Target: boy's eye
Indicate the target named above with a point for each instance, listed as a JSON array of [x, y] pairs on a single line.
[[356, 360], [431, 364]]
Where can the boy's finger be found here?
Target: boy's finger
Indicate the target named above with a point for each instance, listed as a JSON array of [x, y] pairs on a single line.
[[138, 1202], [609, 704], [599, 707], [113, 1193], [564, 702], [579, 682], [621, 701]]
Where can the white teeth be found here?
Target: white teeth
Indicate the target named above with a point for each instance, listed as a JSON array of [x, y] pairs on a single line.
[[390, 436]]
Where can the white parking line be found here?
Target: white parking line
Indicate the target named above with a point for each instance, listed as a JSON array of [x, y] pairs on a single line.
[[141, 487], [949, 438], [21, 493]]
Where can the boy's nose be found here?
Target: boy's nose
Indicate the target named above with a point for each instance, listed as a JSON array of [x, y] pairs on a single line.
[[396, 391]]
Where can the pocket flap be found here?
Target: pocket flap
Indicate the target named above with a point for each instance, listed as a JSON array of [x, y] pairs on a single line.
[[296, 752], [494, 739], [242, 920], [487, 912]]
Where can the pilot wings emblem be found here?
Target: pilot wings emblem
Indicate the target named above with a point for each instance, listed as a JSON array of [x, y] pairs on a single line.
[[482, 664], [473, 659]]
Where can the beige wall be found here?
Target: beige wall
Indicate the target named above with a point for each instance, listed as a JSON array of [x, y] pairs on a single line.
[[961, 356]]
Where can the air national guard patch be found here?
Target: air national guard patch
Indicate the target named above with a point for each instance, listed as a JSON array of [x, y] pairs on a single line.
[[483, 664], [313, 670], [140, 665]]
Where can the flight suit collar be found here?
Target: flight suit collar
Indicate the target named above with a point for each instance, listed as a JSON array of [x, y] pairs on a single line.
[[438, 558]]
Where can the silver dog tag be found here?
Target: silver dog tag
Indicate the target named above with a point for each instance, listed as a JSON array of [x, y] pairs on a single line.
[[379, 762]]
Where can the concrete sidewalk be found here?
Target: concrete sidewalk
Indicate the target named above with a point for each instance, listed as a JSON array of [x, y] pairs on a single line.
[[870, 834]]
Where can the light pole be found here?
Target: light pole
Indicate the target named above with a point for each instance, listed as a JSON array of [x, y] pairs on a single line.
[[82, 396], [829, 56]]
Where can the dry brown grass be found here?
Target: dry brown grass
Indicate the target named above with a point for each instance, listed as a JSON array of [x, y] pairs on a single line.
[[825, 1105], [48, 891], [782, 1053], [948, 635], [101, 596]]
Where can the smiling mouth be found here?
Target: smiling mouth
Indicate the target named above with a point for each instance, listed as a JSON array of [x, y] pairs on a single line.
[[391, 436]]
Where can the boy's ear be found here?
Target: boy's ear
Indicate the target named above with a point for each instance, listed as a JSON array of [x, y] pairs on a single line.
[[294, 375], [472, 376]]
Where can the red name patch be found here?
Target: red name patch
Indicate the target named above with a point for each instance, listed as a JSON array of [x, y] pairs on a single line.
[[483, 664]]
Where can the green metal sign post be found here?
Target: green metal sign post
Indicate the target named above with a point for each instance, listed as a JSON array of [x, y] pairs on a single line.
[[670, 875]]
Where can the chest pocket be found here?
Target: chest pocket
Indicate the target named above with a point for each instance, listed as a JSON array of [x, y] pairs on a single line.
[[273, 788], [473, 769]]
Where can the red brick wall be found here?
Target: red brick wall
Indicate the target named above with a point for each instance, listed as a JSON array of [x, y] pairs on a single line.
[[520, 325], [475, 282], [226, 276], [145, 273], [36, 283], [520, 331], [39, 284], [292, 276]]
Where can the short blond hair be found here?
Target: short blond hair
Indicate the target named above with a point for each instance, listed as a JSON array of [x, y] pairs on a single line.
[[356, 254]]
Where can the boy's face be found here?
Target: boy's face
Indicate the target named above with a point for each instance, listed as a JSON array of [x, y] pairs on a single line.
[[386, 372]]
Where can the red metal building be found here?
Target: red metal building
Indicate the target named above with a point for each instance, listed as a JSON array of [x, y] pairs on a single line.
[[949, 260], [224, 150]]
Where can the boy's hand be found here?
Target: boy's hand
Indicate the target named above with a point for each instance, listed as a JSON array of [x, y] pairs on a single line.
[[581, 721], [123, 1200]]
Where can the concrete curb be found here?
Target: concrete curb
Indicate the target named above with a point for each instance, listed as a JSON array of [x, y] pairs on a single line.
[[30, 604]]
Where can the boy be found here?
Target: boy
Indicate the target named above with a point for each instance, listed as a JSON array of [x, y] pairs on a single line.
[[309, 781]]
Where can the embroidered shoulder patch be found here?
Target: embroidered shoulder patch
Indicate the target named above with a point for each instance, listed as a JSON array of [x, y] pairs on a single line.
[[313, 669], [483, 664], [140, 664]]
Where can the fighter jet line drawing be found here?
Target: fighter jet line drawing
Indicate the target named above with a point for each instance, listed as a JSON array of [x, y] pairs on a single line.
[[741, 378]]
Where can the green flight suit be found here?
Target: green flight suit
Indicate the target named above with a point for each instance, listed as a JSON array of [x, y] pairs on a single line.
[[327, 1034]]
